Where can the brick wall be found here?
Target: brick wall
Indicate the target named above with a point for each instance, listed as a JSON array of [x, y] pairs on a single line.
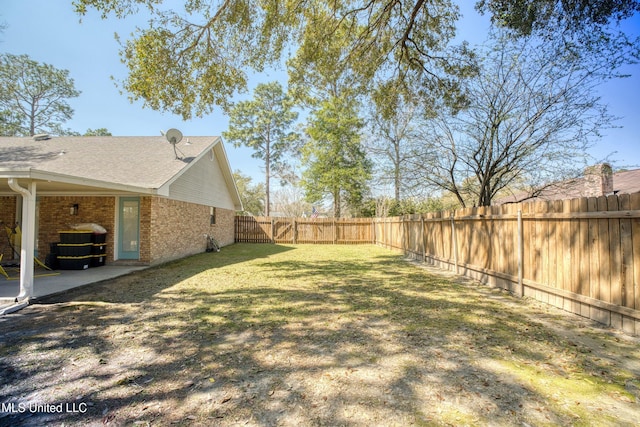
[[169, 229], [598, 180], [8, 218], [224, 230], [55, 216], [177, 228], [146, 221]]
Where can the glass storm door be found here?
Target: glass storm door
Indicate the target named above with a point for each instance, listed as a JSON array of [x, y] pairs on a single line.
[[129, 228]]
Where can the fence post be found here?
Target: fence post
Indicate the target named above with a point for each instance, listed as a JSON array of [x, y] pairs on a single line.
[[273, 230], [424, 239], [294, 230], [404, 243], [384, 232], [455, 244], [520, 254], [373, 231]]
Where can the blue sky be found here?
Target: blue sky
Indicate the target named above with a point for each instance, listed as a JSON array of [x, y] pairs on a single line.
[[49, 31]]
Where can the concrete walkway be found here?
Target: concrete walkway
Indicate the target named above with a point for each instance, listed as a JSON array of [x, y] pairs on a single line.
[[66, 279]]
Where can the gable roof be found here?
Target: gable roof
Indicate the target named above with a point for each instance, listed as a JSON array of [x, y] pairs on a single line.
[[142, 164]]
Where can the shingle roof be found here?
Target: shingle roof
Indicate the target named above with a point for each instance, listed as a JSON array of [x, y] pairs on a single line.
[[140, 161], [625, 182]]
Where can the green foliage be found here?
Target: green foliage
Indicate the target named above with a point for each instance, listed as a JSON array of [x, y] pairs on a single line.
[[189, 61], [263, 124], [98, 132], [388, 207], [319, 67], [173, 72], [120, 8], [337, 165], [367, 209], [252, 196], [33, 96], [588, 28], [526, 17]]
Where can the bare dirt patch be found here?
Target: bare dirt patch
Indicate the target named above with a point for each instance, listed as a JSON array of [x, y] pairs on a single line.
[[269, 335]]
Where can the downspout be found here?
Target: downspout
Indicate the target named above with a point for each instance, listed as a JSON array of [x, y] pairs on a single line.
[[28, 238]]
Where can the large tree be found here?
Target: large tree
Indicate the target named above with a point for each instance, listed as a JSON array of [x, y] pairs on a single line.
[[290, 201], [395, 119], [189, 61], [33, 96], [336, 164], [252, 195], [533, 112], [264, 124]]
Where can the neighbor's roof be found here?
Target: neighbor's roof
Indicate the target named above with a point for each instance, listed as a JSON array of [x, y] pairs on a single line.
[[131, 163], [624, 182], [627, 182]]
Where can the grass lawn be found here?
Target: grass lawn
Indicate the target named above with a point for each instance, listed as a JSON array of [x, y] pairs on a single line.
[[269, 335]]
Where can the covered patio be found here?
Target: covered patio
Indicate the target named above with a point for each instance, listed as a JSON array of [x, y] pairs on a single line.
[[29, 185], [64, 280], [135, 188]]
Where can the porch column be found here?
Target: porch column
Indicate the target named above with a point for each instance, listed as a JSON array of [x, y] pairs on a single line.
[[27, 248]]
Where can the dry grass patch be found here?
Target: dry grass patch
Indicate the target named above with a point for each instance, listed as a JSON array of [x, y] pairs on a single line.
[[307, 335]]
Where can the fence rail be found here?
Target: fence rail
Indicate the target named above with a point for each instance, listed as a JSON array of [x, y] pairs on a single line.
[[303, 230], [581, 255]]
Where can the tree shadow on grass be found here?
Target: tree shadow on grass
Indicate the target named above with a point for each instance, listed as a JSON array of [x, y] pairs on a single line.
[[279, 339]]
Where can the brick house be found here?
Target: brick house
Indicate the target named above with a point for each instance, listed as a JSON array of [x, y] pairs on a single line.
[[156, 200]]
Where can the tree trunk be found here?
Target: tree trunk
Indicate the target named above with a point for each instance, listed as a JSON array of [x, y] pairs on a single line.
[[32, 119], [267, 168], [397, 182], [336, 204]]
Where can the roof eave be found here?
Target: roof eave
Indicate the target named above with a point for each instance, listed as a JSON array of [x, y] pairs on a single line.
[[219, 150], [35, 174]]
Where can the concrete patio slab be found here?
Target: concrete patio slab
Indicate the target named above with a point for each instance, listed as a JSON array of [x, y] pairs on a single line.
[[66, 279]]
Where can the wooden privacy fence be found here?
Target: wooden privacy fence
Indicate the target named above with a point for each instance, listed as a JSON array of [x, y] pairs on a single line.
[[581, 255], [250, 229]]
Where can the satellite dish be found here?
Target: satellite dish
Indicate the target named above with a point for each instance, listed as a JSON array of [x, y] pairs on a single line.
[[173, 136]]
